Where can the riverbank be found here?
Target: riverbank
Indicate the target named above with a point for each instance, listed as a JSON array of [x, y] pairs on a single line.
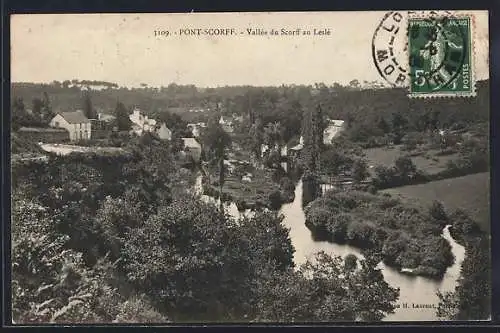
[[405, 237], [413, 289]]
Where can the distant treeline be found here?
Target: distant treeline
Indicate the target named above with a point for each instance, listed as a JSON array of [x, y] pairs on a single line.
[[373, 116]]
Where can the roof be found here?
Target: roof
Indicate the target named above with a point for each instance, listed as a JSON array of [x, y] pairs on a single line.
[[191, 143], [163, 127], [297, 147], [76, 117], [225, 119], [333, 129], [106, 117], [337, 122], [134, 126]]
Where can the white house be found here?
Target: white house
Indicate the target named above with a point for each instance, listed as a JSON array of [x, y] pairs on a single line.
[[192, 147], [75, 123], [333, 129], [226, 123], [164, 132], [105, 117], [298, 147], [134, 128], [142, 121], [196, 128], [284, 151]]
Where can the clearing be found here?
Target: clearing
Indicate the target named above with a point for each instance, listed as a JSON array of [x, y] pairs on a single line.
[[471, 193], [428, 161]]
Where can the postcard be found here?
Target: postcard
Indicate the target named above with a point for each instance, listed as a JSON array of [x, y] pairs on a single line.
[[278, 167]]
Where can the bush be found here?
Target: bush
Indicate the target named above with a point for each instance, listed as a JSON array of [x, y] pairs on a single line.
[[287, 185], [463, 225], [317, 218], [437, 211], [403, 235], [404, 172], [136, 310], [337, 225], [361, 234], [275, 199], [350, 262], [393, 246]]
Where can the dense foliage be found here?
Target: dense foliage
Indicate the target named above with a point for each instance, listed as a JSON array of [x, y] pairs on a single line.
[[405, 236], [471, 299], [120, 238], [99, 238]]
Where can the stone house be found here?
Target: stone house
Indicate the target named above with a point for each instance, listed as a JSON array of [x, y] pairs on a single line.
[[78, 126]]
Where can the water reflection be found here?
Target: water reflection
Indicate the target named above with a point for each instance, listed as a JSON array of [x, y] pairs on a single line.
[[415, 291]]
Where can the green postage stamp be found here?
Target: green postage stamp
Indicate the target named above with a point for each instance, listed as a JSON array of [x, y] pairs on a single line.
[[440, 56]]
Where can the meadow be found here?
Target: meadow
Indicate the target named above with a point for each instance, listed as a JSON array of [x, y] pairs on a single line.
[[429, 161], [471, 193]]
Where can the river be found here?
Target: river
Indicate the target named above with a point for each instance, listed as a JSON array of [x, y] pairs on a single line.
[[413, 289]]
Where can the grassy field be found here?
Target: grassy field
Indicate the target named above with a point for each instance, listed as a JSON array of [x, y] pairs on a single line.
[[427, 162], [471, 193]]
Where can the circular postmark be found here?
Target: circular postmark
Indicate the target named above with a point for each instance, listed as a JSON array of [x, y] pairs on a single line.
[[389, 48], [438, 53]]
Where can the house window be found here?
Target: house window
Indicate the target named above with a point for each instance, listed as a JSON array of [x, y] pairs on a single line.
[[57, 124]]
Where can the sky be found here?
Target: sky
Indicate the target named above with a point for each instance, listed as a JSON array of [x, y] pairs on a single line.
[[123, 48]]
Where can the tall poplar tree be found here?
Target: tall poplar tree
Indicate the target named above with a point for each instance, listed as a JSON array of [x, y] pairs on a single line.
[[46, 112], [122, 117], [88, 110]]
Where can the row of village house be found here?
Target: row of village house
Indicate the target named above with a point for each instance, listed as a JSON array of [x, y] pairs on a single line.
[[75, 126]]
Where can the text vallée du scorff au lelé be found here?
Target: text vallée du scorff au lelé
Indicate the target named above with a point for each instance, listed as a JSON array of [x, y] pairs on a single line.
[[248, 32]]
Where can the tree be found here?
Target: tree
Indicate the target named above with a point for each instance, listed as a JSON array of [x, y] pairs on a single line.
[[174, 122], [216, 141], [177, 253], [354, 83], [313, 136], [256, 134], [437, 211], [399, 125], [350, 262], [50, 282], [270, 240], [20, 116], [471, 299], [138, 310], [320, 126], [113, 220], [434, 120], [383, 125], [360, 170], [405, 166], [46, 112], [122, 117], [326, 290], [273, 135], [88, 110], [37, 109]]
